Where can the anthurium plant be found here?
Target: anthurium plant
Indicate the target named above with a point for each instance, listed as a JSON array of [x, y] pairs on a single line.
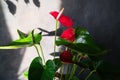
[[81, 51]]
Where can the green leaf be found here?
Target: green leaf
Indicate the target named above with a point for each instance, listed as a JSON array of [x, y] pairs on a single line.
[[21, 34], [94, 76], [79, 30], [97, 64], [36, 69], [30, 40], [81, 47], [86, 63], [75, 78], [49, 71], [84, 43], [36, 38], [25, 41], [26, 74], [11, 47], [83, 36], [58, 63]]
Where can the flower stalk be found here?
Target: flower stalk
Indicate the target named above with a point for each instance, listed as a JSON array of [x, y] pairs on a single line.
[[42, 53], [56, 30]]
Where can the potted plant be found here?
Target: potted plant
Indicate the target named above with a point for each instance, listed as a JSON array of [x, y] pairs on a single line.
[[80, 51]]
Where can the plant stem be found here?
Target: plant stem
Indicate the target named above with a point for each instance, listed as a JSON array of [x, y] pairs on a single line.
[[37, 50], [73, 69], [55, 38], [81, 71], [90, 74], [67, 72], [62, 69], [42, 53]]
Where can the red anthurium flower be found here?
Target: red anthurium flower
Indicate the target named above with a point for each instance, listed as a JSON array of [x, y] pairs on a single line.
[[64, 20], [66, 56], [68, 34]]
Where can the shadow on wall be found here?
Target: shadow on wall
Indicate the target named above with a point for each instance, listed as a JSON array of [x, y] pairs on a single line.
[[10, 60], [101, 18]]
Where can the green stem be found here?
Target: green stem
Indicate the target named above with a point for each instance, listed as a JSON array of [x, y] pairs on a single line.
[[37, 50], [62, 69], [90, 74], [81, 71], [73, 69], [42, 53], [67, 74], [55, 38]]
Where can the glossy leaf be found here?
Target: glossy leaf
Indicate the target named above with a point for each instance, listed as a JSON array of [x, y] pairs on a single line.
[[30, 40], [81, 47], [84, 43], [21, 34], [49, 71], [79, 30], [83, 36], [58, 63], [11, 47], [36, 69]]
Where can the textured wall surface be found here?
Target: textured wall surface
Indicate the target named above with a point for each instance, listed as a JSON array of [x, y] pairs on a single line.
[[100, 17], [24, 16]]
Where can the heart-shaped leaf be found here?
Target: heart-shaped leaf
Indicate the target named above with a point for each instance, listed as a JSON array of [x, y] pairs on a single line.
[[36, 69], [49, 71]]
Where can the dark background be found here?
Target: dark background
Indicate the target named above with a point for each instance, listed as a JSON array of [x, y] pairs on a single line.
[[102, 19]]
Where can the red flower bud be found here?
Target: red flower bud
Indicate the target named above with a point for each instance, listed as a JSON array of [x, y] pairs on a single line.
[[64, 20], [68, 34], [66, 56]]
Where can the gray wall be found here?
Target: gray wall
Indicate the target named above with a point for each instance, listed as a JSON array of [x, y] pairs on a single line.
[[102, 19], [9, 59], [16, 14]]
